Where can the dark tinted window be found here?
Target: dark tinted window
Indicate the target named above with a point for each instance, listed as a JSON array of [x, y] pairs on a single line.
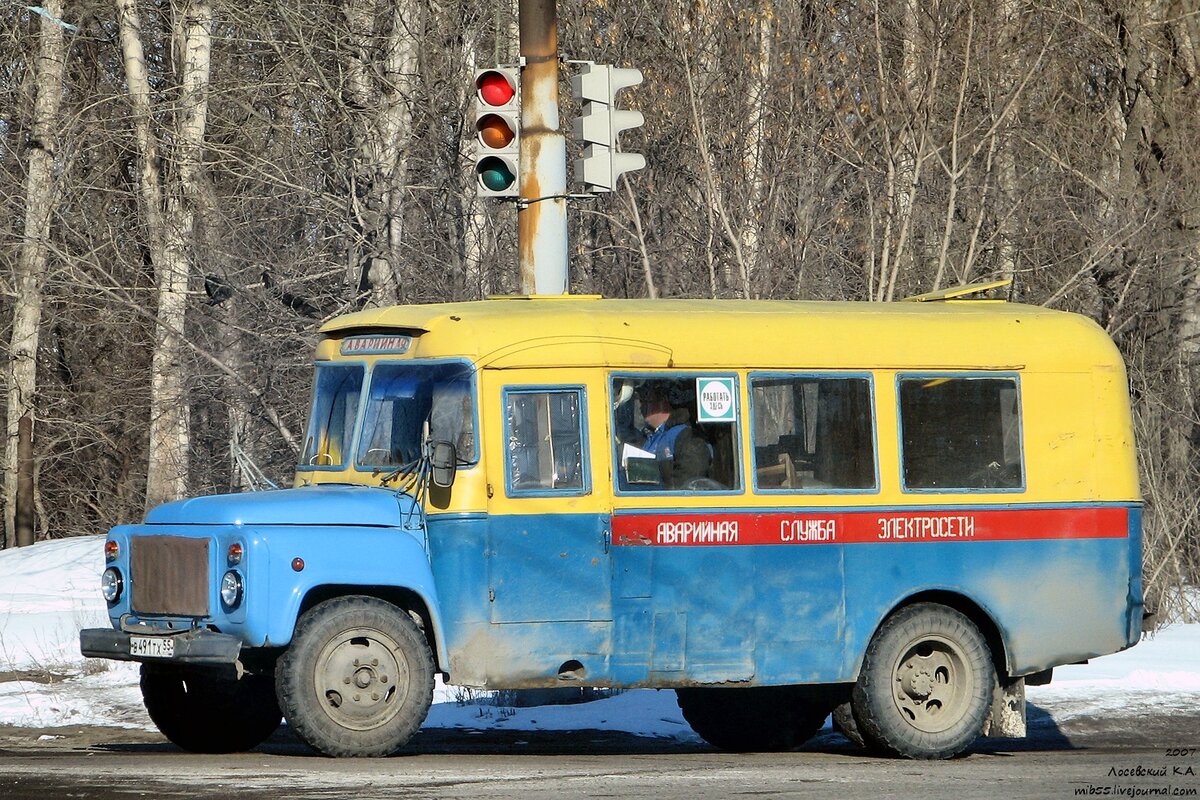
[[961, 433]]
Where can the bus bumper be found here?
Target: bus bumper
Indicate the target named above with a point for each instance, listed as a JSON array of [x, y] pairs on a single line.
[[188, 647]]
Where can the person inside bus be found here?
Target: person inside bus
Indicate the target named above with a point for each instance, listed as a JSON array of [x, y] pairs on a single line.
[[681, 452]]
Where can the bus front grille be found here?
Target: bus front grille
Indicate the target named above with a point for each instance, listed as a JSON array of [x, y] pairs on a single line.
[[169, 575]]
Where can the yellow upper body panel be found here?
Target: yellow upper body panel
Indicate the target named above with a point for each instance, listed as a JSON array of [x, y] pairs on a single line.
[[764, 334], [1077, 427]]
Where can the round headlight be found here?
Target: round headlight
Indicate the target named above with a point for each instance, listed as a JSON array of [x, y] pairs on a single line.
[[231, 588], [111, 584]]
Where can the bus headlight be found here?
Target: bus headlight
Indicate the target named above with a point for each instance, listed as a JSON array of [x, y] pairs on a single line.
[[111, 585], [231, 589]]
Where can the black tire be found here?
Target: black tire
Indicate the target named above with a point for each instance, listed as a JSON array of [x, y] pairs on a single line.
[[843, 723], [760, 719], [207, 713], [357, 679], [925, 687]]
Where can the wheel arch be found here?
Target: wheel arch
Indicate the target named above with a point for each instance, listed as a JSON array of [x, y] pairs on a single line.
[[402, 597], [961, 603]]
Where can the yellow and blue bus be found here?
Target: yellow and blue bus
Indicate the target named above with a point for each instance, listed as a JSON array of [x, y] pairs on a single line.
[[898, 513]]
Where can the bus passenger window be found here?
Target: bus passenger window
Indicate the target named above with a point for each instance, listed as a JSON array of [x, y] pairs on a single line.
[[545, 442], [960, 433], [812, 433], [658, 444]]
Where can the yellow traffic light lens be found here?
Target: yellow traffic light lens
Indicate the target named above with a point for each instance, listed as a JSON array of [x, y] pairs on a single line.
[[494, 88], [495, 132], [494, 174]]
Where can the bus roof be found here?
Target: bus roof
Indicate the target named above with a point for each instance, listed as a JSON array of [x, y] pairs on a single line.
[[765, 334]]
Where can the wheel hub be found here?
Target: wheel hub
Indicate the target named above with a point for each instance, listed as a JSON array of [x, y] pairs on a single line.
[[358, 677], [918, 684], [363, 678], [930, 684]]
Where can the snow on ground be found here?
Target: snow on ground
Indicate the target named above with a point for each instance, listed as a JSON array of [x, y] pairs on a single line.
[[51, 590]]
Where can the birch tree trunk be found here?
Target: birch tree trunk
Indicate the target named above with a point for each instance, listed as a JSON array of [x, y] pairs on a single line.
[[754, 156], [31, 264], [908, 155], [906, 148], [169, 217], [382, 107]]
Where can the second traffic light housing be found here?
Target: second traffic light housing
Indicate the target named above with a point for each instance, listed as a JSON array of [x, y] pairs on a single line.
[[600, 124], [497, 132]]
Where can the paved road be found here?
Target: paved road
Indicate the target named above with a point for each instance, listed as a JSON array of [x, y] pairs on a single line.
[[1093, 759]]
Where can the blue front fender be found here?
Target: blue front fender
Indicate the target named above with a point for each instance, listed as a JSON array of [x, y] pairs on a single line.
[[375, 559]]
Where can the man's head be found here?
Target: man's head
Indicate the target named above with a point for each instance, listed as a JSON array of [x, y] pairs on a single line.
[[655, 400]]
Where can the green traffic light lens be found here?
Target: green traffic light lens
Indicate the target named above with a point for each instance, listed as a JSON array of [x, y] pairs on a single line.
[[495, 175]]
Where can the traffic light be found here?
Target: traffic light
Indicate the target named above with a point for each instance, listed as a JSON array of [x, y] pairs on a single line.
[[497, 127], [600, 124]]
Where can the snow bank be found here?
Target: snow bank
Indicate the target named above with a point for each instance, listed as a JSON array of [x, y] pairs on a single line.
[[48, 592]]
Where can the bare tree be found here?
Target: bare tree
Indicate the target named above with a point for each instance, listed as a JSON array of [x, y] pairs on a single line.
[[169, 215], [30, 275]]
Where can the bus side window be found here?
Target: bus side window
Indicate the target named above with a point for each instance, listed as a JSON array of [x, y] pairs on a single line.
[[544, 439], [813, 433], [660, 446], [960, 433]]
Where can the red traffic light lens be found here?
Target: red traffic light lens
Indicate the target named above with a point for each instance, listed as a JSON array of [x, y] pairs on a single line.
[[494, 174], [494, 88], [495, 132]]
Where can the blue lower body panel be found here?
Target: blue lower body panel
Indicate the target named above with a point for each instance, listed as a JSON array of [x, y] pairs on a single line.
[[525, 597]]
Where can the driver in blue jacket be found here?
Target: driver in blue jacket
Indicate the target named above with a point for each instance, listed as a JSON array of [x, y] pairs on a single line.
[[681, 452]]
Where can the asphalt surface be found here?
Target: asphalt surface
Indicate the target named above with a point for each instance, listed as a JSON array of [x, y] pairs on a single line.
[[1158, 756]]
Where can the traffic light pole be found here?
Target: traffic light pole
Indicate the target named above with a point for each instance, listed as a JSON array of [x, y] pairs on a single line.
[[542, 211]]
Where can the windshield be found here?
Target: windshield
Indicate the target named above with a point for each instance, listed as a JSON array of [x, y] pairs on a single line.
[[335, 409], [402, 398]]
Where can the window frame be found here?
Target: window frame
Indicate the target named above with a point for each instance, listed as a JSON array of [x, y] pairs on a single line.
[[819, 375], [1015, 377], [580, 390], [738, 445]]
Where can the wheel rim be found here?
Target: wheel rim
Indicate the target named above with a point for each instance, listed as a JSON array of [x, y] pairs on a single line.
[[361, 678], [931, 683]]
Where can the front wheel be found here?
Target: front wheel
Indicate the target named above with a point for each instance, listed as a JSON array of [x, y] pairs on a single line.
[[357, 679], [925, 686], [208, 713]]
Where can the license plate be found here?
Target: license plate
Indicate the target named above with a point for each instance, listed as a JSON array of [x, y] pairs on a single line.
[[152, 646]]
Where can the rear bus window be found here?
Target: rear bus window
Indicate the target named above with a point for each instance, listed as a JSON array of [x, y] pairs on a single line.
[[961, 433], [813, 433]]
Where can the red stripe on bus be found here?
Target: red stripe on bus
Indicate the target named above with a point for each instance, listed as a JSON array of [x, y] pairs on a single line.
[[862, 527]]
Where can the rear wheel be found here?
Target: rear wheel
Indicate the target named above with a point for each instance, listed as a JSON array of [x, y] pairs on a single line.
[[208, 713], [759, 719], [925, 686], [357, 679]]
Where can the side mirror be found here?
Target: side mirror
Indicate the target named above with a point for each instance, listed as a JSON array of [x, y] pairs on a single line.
[[444, 460]]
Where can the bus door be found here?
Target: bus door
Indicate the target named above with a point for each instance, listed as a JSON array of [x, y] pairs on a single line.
[[547, 549], [684, 591]]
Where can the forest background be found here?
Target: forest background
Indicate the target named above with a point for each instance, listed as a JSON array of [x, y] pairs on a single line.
[[188, 187]]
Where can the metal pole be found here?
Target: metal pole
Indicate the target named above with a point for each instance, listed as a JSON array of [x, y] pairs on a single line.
[[542, 214]]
